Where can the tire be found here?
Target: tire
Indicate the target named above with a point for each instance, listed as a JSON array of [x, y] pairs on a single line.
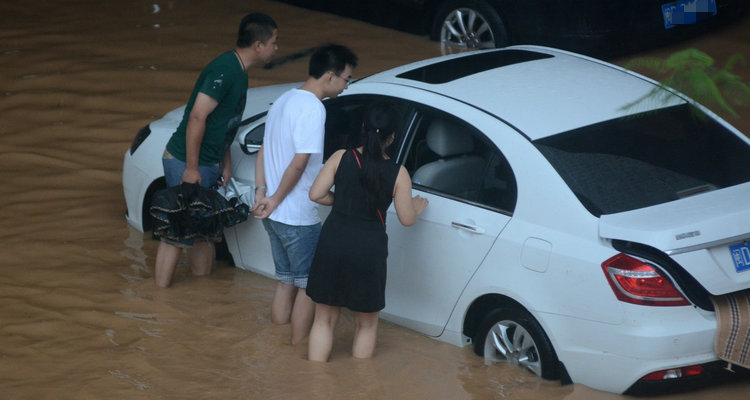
[[513, 336], [469, 24], [147, 221]]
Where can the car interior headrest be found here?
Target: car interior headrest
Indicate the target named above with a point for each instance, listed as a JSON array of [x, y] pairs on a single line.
[[447, 138]]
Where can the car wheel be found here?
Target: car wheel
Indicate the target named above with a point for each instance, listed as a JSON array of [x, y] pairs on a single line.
[[513, 336], [469, 24], [147, 221]]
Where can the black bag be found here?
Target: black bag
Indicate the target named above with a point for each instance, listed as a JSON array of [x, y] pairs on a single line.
[[190, 211]]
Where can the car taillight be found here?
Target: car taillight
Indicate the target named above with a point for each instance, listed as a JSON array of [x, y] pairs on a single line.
[[139, 138], [674, 373], [638, 282]]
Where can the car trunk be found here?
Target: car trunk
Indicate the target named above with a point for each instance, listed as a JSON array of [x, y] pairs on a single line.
[[705, 234]]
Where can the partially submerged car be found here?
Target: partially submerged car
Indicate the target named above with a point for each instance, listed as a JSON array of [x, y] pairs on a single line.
[[577, 226]]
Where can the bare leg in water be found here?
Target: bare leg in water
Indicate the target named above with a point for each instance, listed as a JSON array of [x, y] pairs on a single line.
[[321, 334], [292, 304], [365, 334]]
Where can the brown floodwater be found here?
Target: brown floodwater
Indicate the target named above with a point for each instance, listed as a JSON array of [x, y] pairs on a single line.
[[80, 316]]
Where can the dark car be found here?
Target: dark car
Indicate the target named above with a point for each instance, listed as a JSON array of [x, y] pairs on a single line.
[[595, 27]]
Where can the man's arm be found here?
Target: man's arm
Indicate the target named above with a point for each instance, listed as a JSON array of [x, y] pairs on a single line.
[[264, 206], [226, 171], [260, 182], [196, 128]]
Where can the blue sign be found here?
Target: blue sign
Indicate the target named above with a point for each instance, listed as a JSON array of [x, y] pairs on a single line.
[[740, 256], [685, 12]]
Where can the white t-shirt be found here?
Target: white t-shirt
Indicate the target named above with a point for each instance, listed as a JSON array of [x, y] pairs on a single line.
[[295, 125]]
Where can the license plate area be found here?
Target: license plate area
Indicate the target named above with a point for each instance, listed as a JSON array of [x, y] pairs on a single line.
[[740, 256], [685, 12]]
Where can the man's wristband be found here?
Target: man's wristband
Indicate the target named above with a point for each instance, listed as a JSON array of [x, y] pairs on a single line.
[[259, 187]]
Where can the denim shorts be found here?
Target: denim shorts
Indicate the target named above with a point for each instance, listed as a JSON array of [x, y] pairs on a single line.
[[173, 170], [293, 248]]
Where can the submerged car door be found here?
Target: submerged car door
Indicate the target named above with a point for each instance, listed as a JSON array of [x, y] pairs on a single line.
[[248, 241], [471, 192], [343, 124]]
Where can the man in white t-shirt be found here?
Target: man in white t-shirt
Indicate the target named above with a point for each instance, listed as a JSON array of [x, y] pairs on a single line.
[[286, 166]]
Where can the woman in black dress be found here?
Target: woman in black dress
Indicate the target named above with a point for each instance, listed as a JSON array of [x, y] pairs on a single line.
[[349, 267]]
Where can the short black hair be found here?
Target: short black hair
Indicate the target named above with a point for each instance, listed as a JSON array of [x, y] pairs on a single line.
[[331, 57], [255, 27]]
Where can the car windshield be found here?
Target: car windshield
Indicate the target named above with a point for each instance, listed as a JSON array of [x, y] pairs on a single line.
[[647, 159]]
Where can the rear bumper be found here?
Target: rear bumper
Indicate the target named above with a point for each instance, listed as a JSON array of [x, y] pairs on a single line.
[[614, 357], [716, 373]]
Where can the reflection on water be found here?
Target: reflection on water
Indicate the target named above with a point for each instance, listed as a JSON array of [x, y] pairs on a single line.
[[81, 317]]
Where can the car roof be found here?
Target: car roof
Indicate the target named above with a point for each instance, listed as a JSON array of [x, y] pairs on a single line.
[[541, 91]]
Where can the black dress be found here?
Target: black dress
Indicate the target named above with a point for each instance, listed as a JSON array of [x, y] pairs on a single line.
[[349, 267]]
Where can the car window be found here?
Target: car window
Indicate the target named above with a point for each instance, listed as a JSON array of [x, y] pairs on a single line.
[[344, 122], [342, 126], [647, 159], [449, 157]]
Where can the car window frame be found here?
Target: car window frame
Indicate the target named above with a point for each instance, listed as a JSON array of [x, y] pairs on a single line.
[[405, 107], [421, 110]]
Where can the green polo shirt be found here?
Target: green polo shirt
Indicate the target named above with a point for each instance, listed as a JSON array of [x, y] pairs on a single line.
[[223, 80]]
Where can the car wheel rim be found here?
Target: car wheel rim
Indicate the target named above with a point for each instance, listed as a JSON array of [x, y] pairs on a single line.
[[467, 28], [509, 342]]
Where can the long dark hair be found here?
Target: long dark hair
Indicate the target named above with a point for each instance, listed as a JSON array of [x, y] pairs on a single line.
[[379, 120]]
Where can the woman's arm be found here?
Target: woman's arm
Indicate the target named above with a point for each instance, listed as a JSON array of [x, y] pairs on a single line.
[[320, 191], [407, 208]]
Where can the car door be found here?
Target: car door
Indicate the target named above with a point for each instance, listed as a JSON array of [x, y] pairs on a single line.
[[248, 241], [472, 194]]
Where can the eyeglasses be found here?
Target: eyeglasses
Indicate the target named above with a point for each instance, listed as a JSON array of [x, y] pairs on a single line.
[[348, 80]]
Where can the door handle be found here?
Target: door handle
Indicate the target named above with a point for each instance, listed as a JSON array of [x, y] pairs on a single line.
[[466, 227]]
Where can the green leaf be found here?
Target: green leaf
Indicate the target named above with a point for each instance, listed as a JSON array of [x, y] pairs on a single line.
[[693, 73], [735, 59], [688, 59]]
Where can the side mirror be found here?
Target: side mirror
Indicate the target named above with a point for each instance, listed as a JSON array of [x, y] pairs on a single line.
[[250, 140]]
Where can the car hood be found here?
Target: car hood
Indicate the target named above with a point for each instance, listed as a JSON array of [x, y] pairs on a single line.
[[697, 232]]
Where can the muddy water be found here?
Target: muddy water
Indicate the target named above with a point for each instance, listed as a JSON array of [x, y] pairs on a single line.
[[79, 314]]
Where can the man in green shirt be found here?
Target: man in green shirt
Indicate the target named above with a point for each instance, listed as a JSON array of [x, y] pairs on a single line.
[[198, 152]]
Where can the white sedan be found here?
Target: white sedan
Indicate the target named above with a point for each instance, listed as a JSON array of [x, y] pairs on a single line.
[[579, 224]]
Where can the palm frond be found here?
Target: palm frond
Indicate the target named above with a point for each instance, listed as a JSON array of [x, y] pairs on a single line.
[[693, 73], [733, 60], [688, 59]]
